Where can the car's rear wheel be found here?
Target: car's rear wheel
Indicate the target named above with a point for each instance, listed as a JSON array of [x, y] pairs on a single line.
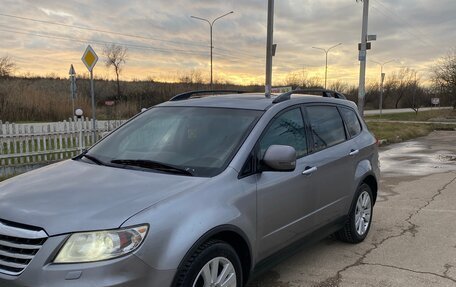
[[214, 264], [360, 217]]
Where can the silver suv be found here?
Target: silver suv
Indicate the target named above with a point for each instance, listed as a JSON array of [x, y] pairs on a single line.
[[192, 192]]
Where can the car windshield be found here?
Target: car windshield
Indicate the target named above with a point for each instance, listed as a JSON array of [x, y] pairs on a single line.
[[181, 140]]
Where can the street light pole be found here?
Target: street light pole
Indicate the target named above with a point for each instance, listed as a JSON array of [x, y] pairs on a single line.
[[326, 53], [362, 58], [211, 25], [382, 79], [269, 44]]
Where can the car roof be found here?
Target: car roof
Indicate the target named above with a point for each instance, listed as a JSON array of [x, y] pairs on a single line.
[[251, 101]]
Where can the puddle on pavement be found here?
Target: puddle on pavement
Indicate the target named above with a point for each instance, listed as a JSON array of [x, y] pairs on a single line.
[[415, 158]]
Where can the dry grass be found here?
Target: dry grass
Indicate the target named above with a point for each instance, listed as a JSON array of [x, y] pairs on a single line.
[[433, 115], [48, 99], [399, 132]]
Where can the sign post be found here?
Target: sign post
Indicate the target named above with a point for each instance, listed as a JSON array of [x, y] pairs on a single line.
[[90, 59], [72, 73], [79, 114], [381, 93]]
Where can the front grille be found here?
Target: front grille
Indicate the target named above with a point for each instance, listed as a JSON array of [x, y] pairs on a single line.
[[18, 246]]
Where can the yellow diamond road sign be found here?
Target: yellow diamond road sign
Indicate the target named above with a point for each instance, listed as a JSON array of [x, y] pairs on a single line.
[[89, 58]]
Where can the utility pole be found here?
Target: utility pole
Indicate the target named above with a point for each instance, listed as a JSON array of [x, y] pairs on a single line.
[[362, 58], [211, 25], [269, 52], [382, 76], [382, 80], [415, 107], [326, 52]]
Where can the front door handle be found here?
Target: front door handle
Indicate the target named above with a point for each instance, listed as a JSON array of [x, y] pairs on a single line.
[[354, 152], [309, 170]]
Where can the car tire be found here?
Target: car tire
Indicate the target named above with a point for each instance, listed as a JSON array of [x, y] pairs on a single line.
[[195, 272], [360, 217]]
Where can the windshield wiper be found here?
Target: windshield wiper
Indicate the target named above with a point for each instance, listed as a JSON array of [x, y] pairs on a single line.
[[90, 157], [150, 164], [94, 159]]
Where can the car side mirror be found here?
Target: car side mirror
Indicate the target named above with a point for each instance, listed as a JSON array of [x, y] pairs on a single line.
[[280, 158]]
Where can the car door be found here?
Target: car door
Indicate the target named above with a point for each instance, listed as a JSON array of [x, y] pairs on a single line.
[[356, 144], [285, 200], [330, 159]]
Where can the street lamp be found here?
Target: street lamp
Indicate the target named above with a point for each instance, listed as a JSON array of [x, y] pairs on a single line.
[[382, 77], [326, 53], [211, 24]]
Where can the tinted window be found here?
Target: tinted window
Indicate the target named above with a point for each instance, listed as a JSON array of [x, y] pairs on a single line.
[[286, 129], [326, 125], [352, 122]]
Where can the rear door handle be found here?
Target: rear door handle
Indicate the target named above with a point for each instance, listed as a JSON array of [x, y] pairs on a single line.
[[309, 170], [354, 152]]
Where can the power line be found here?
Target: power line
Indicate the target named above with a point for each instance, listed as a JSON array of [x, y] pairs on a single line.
[[85, 41], [26, 32], [258, 60], [425, 43], [401, 18], [408, 29], [118, 33], [100, 30]]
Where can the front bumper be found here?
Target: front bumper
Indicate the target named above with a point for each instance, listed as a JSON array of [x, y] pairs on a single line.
[[127, 271]]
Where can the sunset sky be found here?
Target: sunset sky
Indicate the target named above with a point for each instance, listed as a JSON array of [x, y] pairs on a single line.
[[44, 37]]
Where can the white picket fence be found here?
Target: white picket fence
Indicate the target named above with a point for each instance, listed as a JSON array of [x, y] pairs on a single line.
[[27, 146]]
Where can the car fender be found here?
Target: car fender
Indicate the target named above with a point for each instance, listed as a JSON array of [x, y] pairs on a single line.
[[176, 225], [363, 169]]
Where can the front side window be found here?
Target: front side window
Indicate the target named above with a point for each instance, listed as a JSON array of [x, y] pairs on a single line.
[[352, 122], [326, 126], [286, 129], [198, 140]]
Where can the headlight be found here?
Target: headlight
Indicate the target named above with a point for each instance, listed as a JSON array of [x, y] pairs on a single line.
[[101, 245]]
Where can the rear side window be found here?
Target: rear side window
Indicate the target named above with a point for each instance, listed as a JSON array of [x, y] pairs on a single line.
[[352, 121], [326, 125], [286, 129]]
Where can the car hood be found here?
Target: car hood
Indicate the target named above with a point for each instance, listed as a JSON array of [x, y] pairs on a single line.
[[75, 196]]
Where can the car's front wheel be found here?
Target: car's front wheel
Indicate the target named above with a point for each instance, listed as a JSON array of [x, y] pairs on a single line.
[[360, 217], [214, 264]]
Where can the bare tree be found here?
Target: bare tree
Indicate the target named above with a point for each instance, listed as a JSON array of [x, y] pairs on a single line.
[[302, 80], [372, 97], [116, 57], [401, 84], [445, 76], [7, 66], [416, 96], [191, 77], [340, 86]]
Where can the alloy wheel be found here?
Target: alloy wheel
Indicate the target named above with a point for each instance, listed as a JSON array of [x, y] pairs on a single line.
[[363, 213], [219, 272]]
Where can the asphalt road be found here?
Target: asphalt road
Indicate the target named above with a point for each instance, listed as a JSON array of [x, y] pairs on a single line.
[[412, 241], [398, 111]]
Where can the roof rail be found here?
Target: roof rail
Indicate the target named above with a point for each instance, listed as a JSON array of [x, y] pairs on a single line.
[[188, 95], [324, 92]]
